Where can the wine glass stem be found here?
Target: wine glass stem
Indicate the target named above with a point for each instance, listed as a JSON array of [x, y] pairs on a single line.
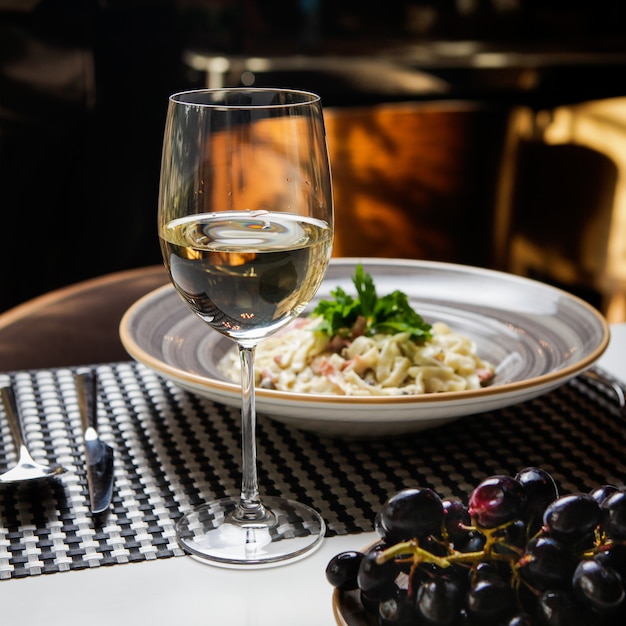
[[250, 506]]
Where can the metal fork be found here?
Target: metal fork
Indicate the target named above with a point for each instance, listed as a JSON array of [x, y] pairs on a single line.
[[26, 467]]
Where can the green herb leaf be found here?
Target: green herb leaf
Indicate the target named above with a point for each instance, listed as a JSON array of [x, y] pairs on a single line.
[[389, 314]]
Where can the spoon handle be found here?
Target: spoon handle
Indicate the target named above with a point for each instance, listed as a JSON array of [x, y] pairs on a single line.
[[13, 415]]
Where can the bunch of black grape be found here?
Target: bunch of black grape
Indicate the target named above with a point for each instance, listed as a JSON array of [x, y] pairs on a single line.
[[517, 554]]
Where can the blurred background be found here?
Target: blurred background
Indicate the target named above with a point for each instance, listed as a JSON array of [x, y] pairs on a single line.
[[483, 132]]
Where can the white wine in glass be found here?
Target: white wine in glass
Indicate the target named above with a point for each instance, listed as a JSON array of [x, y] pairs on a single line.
[[245, 222]]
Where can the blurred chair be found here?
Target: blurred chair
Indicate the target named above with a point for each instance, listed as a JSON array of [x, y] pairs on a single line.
[[416, 180], [563, 219], [75, 325]]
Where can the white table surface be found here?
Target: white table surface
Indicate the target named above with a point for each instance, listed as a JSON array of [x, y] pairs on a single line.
[[181, 590]]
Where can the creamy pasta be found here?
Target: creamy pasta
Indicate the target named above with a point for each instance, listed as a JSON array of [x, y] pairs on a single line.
[[304, 360]]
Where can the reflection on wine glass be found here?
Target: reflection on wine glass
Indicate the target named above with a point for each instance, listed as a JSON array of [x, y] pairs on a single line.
[[245, 222]]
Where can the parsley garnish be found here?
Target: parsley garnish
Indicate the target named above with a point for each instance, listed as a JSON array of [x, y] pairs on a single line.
[[389, 315]]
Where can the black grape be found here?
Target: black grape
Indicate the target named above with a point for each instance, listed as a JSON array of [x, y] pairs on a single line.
[[614, 555], [396, 611], [541, 490], [614, 515], [598, 585], [377, 580], [412, 513], [547, 564], [497, 500], [571, 517], [438, 601], [342, 570], [490, 600], [456, 520], [601, 493], [558, 608]]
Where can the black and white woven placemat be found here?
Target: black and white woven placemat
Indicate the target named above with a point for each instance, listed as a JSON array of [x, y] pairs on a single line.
[[174, 449]]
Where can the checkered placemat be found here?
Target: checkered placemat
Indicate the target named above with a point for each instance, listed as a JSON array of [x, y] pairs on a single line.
[[174, 449]]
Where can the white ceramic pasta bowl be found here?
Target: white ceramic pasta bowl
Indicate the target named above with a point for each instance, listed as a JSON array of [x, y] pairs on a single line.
[[537, 336]]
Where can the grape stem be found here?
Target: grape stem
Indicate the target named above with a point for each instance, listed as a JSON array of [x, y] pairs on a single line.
[[493, 537], [411, 548]]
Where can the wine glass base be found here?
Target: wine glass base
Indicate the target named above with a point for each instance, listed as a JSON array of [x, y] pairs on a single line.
[[211, 534]]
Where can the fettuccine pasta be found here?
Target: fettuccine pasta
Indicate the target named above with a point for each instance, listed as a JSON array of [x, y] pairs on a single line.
[[305, 360]]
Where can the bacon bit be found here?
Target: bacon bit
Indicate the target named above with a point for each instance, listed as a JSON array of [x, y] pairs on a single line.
[[326, 368], [358, 364], [278, 359], [485, 375]]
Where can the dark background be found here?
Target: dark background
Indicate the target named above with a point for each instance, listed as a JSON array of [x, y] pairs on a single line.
[[84, 87]]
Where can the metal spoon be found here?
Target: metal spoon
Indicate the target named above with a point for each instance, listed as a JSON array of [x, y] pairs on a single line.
[[26, 467]]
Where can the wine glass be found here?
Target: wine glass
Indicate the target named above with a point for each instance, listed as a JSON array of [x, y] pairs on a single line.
[[245, 222]]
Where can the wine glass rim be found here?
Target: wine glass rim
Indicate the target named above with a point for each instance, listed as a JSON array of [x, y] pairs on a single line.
[[194, 97]]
